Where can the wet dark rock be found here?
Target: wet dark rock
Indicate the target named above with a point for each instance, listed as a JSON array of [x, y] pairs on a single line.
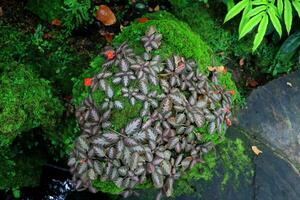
[[273, 116]]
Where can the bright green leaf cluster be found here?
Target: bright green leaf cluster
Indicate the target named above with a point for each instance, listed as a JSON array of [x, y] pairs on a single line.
[[260, 13]]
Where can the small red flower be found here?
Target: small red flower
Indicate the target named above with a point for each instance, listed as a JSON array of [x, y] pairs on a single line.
[[110, 54], [56, 22], [87, 81], [228, 121], [232, 92]]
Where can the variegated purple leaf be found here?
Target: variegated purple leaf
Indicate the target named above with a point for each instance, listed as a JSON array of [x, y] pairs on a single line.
[[133, 126]]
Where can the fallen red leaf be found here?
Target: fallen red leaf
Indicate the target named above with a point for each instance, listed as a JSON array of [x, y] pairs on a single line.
[[106, 15], [143, 19], [251, 83], [56, 22], [47, 36]]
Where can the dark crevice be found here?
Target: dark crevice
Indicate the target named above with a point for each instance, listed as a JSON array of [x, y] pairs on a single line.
[[254, 178]]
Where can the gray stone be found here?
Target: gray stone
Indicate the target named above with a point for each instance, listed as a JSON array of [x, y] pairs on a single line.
[[273, 115]]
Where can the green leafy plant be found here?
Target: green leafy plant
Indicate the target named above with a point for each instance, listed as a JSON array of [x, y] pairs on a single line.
[[262, 12], [286, 53], [77, 14]]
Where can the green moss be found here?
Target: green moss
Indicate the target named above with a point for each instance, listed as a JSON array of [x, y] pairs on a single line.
[[107, 187], [46, 10], [198, 172], [226, 81], [26, 102], [178, 39], [20, 170], [235, 161], [224, 39]]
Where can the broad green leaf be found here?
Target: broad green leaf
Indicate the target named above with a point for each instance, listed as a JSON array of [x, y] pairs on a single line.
[[288, 15], [296, 5], [256, 10], [259, 2], [244, 19], [236, 10], [275, 21], [280, 7], [262, 28], [250, 25], [289, 47]]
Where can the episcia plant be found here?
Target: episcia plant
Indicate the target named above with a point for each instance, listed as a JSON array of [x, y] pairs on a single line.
[[262, 12], [158, 145]]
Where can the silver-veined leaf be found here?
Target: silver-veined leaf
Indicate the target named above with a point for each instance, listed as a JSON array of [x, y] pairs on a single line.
[[133, 126]]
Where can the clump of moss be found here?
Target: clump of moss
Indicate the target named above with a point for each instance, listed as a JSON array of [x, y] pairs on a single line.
[[234, 163], [26, 103], [178, 39], [107, 187]]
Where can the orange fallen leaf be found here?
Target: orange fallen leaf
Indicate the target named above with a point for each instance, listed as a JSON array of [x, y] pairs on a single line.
[[105, 15], [220, 69], [56, 22], [1, 12], [157, 8], [143, 19], [107, 35], [242, 62], [256, 150]]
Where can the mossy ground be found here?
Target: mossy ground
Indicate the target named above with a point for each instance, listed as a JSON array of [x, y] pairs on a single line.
[[26, 103]]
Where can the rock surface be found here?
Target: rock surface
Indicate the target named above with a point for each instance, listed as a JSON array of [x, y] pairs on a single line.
[[273, 116]]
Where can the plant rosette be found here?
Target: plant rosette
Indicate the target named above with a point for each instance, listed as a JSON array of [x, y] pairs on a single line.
[[141, 118]]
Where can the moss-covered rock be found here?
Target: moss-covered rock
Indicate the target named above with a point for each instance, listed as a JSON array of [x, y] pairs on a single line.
[[26, 102], [177, 39]]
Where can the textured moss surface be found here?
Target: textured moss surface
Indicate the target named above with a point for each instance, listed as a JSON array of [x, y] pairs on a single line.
[[20, 170], [26, 103], [46, 10]]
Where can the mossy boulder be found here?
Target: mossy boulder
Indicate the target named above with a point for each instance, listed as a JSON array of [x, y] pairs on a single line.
[[178, 39], [26, 102]]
